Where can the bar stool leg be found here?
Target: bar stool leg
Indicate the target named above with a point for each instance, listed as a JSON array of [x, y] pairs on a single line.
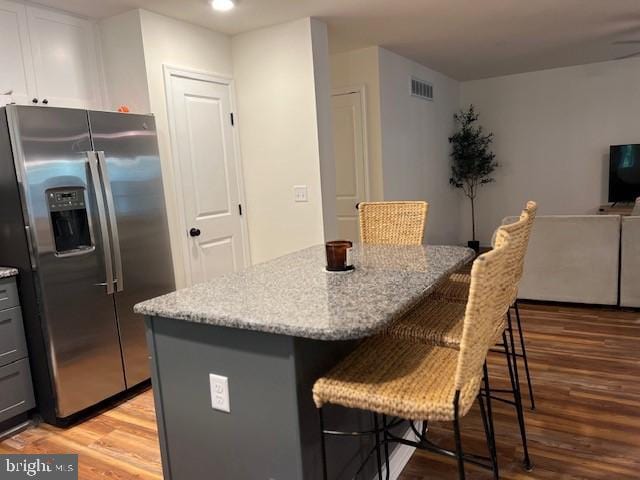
[[456, 430], [487, 435], [323, 448], [524, 356], [378, 457], [386, 446], [425, 428], [528, 466], [489, 426]]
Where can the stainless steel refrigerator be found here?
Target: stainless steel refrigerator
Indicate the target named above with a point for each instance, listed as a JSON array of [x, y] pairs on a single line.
[[83, 218]]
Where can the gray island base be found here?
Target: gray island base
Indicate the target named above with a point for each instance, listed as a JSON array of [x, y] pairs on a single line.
[[272, 330]]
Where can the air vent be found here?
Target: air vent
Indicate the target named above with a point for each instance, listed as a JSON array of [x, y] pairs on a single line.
[[421, 89]]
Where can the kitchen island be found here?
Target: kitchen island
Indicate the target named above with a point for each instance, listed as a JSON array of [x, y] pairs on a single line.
[[272, 330]]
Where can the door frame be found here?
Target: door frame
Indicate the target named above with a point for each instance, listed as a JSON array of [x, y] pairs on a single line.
[[361, 90], [170, 71]]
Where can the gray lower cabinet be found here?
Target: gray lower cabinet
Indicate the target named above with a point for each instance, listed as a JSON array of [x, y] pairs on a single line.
[[16, 392], [8, 293], [12, 342], [16, 389]]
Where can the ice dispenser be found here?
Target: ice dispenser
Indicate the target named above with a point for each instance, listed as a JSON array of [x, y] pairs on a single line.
[[69, 220]]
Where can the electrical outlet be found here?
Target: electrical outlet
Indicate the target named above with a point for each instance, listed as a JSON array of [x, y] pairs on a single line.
[[219, 387], [300, 193]]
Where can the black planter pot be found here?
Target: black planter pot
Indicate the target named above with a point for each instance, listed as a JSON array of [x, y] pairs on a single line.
[[475, 244]]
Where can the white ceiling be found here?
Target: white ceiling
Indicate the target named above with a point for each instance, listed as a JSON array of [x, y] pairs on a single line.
[[465, 39]]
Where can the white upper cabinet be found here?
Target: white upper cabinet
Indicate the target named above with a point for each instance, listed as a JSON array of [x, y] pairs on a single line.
[[47, 56], [17, 80], [64, 56]]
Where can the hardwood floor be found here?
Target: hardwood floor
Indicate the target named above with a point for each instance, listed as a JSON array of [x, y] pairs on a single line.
[[119, 444], [586, 368], [585, 364]]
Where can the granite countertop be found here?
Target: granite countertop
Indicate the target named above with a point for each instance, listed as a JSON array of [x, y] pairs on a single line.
[[6, 272], [294, 295]]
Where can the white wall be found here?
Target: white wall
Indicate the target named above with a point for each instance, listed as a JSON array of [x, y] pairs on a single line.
[[280, 135], [123, 62], [322, 90], [180, 44], [353, 69], [415, 147], [552, 132]]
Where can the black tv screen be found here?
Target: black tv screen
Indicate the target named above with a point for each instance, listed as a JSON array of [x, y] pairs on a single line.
[[624, 173]]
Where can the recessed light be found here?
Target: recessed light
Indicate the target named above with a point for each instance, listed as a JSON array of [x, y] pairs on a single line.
[[222, 5]]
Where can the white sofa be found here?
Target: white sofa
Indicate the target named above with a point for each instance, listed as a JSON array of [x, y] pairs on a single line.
[[630, 262], [574, 258]]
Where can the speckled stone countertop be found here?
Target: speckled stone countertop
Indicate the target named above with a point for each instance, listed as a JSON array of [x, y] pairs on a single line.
[[6, 272], [294, 295]]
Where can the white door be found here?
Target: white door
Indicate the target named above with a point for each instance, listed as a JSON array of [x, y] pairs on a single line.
[[65, 59], [17, 80], [349, 153], [205, 159]]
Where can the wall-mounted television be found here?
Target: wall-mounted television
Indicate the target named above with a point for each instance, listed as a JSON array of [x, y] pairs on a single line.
[[624, 173]]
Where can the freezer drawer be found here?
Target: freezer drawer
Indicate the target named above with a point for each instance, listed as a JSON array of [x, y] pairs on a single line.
[[16, 392], [8, 293], [12, 343]]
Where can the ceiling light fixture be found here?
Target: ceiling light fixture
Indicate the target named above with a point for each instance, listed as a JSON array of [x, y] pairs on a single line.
[[222, 5]]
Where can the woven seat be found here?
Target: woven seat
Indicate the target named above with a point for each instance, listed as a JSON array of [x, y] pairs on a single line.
[[435, 322], [392, 377], [392, 223], [455, 288]]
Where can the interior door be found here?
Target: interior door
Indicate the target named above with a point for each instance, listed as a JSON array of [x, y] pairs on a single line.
[[206, 162], [70, 250], [349, 156], [128, 149]]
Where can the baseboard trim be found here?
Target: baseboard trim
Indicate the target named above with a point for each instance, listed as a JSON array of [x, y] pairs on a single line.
[[399, 457]]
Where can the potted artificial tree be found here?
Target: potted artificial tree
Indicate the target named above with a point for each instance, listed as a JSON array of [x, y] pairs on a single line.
[[473, 162]]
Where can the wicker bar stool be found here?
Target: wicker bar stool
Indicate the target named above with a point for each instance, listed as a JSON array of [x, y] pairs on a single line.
[[456, 289], [440, 322], [421, 382], [392, 223]]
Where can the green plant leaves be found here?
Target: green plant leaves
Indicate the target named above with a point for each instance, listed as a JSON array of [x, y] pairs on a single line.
[[473, 162]]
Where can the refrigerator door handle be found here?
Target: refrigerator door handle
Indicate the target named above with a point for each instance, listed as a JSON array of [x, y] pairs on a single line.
[[111, 210], [104, 232]]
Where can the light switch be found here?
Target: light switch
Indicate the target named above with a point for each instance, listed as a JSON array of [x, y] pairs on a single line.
[[219, 387], [300, 193]]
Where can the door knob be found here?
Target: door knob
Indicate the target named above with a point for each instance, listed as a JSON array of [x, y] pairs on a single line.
[[194, 232]]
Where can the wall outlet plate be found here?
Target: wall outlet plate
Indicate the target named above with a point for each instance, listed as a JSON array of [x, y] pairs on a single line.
[[219, 387], [300, 193]]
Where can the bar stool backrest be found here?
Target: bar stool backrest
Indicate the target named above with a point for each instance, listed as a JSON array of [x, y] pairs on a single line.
[[519, 237], [531, 210], [392, 223], [490, 292]]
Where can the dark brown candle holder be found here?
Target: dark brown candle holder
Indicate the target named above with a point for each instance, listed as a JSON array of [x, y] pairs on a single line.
[[339, 256]]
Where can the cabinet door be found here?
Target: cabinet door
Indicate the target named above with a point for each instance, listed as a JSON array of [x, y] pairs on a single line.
[[12, 342], [16, 390], [16, 65], [64, 55]]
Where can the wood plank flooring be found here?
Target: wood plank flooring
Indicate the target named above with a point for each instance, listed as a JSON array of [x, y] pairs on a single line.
[[586, 368], [119, 444], [585, 364]]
